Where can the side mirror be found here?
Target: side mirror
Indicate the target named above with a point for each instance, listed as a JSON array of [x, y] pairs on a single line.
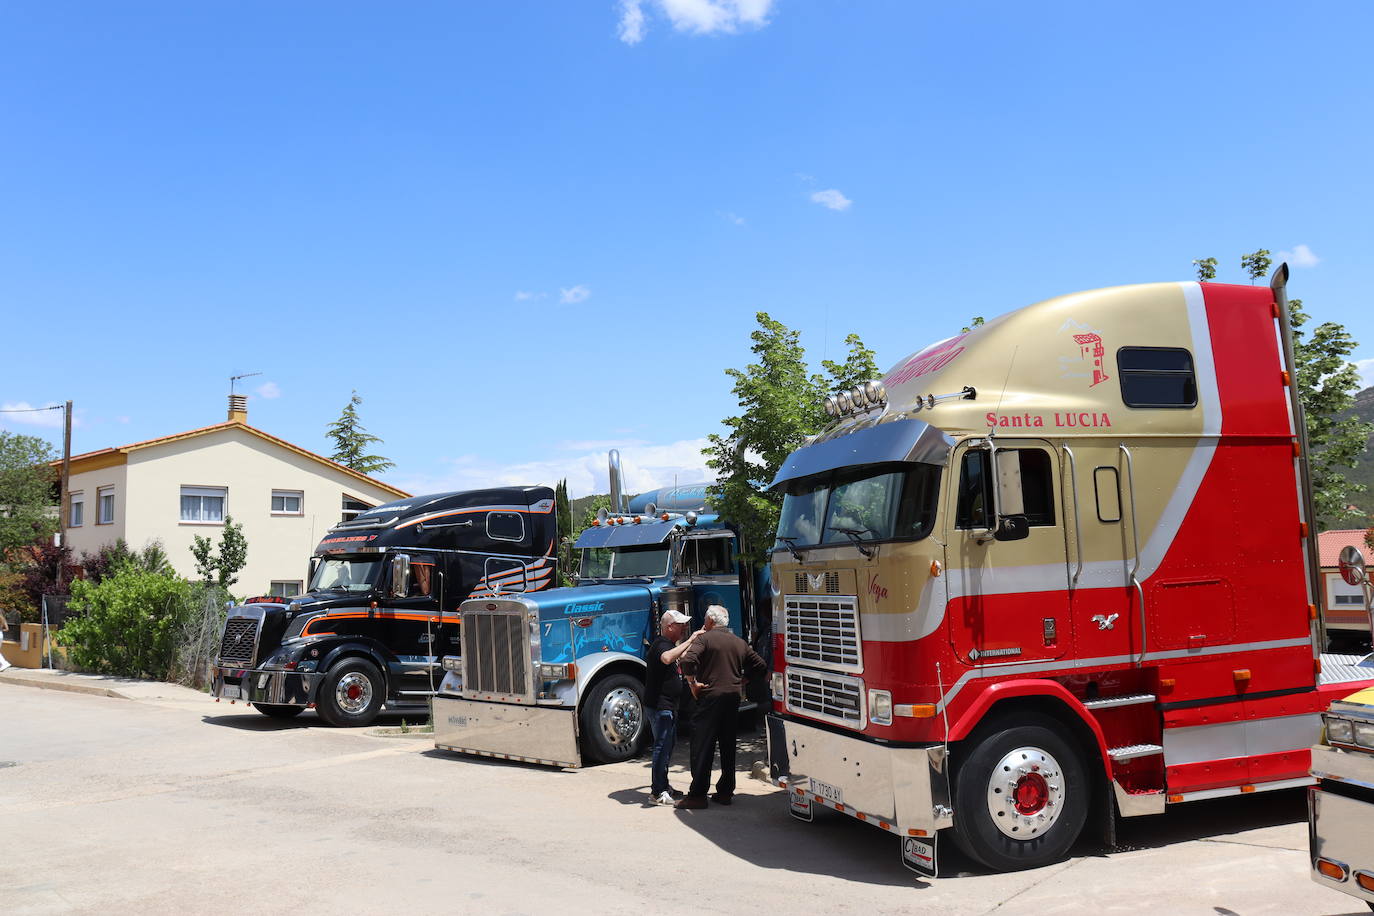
[[400, 575], [1011, 528]]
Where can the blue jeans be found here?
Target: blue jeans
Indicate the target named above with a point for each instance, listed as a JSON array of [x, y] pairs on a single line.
[[663, 722]]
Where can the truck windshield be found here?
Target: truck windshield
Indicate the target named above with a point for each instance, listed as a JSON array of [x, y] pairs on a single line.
[[353, 575], [885, 505], [624, 562]]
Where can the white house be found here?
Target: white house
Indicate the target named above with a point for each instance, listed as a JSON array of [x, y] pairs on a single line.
[[176, 487]]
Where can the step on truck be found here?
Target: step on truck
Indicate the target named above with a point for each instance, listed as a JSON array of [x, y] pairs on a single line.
[[1340, 807], [557, 677], [1057, 569], [382, 605]]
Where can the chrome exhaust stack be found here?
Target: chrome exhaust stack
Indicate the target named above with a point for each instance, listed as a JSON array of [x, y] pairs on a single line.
[[617, 497]]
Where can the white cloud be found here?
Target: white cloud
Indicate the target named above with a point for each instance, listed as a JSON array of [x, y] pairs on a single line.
[[522, 295], [696, 17], [643, 466], [25, 414], [1366, 369], [732, 218], [1300, 256], [268, 391], [831, 199], [573, 295]]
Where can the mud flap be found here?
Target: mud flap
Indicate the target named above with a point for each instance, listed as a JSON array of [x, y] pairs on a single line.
[[918, 854], [799, 806]]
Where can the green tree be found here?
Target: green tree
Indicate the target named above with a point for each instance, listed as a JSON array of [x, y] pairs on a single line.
[[781, 403], [562, 508], [1327, 384], [220, 568], [1256, 264], [26, 491], [128, 623], [1206, 268], [977, 322], [352, 442]]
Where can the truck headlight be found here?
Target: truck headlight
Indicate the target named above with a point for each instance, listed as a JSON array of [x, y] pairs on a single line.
[[1364, 734], [778, 683], [880, 707], [564, 672], [453, 663], [1339, 731]]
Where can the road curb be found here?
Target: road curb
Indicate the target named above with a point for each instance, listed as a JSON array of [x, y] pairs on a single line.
[[58, 682]]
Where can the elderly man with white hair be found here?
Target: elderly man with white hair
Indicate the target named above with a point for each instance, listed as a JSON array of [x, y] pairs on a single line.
[[717, 664]]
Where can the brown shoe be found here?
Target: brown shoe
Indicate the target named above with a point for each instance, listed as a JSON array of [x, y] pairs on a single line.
[[691, 801], [722, 799]]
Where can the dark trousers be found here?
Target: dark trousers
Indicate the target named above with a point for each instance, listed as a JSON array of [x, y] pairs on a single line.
[[716, 722]]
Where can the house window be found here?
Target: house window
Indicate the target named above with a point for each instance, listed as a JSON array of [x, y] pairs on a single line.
[[285, 588], [204, 505], [1348, 599], [286, 502], [105, 506], [78, 510], [351, 507]]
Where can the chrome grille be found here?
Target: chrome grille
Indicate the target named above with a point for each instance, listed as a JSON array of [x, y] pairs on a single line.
[[823, 632], [239, 640], [832, 697], [496, 653], [818, 583]]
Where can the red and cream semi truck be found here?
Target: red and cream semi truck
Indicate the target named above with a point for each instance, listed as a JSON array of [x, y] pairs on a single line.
[[1053, 571]]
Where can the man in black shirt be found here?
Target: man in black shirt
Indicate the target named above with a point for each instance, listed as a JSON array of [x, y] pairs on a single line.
[[663, 689]]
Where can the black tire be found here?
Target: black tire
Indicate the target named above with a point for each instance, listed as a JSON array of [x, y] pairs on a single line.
[[279, 712], [1021, 795], [613, 721], [351, 694]]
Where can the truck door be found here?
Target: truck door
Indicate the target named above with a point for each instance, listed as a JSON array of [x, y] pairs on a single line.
[[411, 630], [1008, 600], [708, 564]]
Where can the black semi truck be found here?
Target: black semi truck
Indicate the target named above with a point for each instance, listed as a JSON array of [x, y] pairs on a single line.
[[382, 606]]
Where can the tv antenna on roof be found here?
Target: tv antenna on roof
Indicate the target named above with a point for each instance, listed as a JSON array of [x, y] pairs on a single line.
[[235, 378]]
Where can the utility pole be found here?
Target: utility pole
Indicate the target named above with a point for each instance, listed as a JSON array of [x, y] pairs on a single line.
[[63, 509]]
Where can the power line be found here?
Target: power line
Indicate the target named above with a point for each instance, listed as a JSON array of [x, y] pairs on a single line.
[[30, 409]]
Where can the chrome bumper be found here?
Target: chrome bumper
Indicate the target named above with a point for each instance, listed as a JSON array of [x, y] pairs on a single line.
[[1339, 827], [534, 734], [274, 687], [905, 786]]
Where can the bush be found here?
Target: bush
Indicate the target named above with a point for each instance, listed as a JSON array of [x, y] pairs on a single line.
[[129, 623]]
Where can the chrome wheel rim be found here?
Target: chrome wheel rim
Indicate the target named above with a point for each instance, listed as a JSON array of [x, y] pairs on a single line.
[[353, 693], [622, 716], [1026, 793]]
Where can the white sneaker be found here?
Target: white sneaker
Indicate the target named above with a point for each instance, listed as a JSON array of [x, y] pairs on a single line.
[[664, 798]]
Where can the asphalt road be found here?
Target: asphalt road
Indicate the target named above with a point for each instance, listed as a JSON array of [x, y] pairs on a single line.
[[176, 804]]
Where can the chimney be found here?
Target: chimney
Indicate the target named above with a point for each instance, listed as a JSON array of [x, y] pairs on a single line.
[[238, 408]]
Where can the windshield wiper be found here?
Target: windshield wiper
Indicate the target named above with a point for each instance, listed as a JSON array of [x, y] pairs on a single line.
[[791, 545], [853, 534]]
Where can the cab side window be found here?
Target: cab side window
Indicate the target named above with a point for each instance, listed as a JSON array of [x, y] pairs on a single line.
[[505, 526], [421, 582], [974, 508], [707, 557]]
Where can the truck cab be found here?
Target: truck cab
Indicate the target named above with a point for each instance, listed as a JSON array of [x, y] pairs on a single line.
[[381, 607], [558, 676]]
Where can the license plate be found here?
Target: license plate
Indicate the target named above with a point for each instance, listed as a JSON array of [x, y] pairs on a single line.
[[826, 791], [919, 856], [229, 692]]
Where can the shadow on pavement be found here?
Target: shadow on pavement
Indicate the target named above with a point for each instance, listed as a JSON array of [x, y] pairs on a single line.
[[1215, 817], [250, 720]]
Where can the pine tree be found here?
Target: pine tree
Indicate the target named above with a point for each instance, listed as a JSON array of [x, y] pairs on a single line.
[[351, 441]]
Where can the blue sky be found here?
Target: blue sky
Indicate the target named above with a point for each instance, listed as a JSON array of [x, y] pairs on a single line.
[[528, 231]]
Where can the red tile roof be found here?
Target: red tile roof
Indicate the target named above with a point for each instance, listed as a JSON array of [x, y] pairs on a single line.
[[1330, 544]]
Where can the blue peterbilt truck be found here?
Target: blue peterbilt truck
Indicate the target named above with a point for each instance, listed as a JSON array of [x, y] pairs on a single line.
[[556, 677]]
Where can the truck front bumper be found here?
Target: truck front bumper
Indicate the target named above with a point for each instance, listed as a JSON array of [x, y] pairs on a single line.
[[510, 731], [274, 686], [1340, 814], [903, 790]]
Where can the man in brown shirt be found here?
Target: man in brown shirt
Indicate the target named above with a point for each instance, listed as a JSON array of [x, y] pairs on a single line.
[[716, 664]]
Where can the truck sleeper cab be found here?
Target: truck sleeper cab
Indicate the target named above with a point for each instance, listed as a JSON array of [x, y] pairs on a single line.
[[381, 607], [1053, 571], [558, 676]]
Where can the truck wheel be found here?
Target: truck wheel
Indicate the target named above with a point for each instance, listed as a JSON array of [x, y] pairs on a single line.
[[1021, 796], [351, 694], [279, 712], [613, 725]]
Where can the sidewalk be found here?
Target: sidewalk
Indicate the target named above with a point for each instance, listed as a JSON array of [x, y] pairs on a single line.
[[123, 688]]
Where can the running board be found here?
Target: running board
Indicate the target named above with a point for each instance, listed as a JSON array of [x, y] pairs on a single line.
[[1127, 700], [1132, 751]]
